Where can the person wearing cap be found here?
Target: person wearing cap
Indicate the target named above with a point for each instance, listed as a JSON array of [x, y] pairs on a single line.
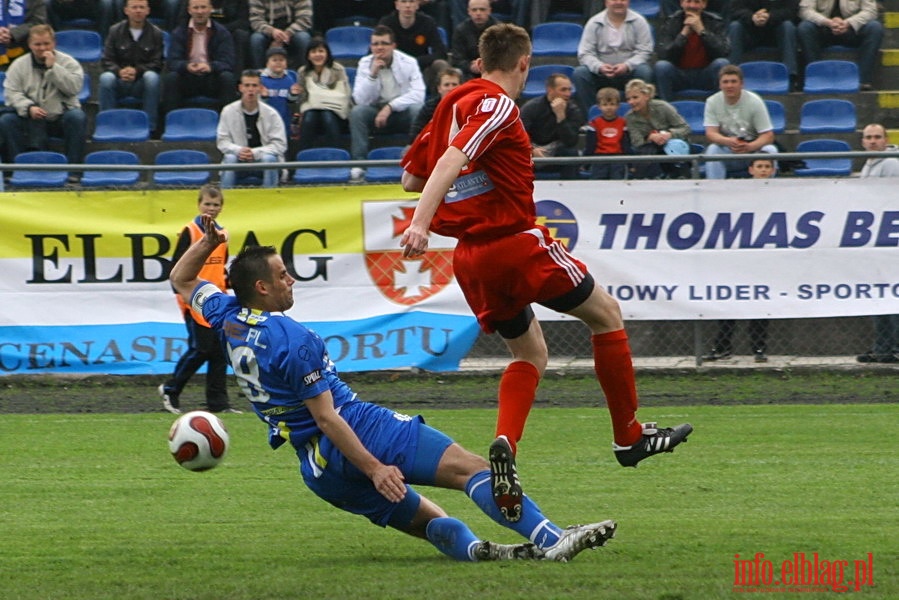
[[736, 121], [654, 127], [553, 121], [285, 23]]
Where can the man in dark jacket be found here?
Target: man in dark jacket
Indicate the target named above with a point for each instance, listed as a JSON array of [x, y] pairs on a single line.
[[204, 69], [765, 23], [235, 16], [132, 66], [465, 38], [552, 122], [417, 35], [692, 47]]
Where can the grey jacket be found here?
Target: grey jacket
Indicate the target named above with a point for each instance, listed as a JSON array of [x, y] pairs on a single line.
[[881, 167], [55, 89]]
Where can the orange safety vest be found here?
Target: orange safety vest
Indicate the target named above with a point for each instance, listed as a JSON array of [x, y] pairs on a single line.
[[213, 269]]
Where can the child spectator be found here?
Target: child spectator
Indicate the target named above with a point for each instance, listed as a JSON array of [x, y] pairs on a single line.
[[609, 135], [760, 168], [278, 88]]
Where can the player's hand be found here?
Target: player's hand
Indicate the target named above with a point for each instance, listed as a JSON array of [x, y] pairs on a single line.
[[414, 241], [212, 234], [389, 482]]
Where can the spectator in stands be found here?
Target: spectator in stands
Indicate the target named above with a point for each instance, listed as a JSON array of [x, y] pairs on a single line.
[[280, 23], [849, 23], [101, 12], [766, 23], [518, 10], [885, 348], [235, 16], [416, 34], [651, 125], [607, 136], [325, 97], [465, 38], [279, 89], [200, 61], [722, 8], [389, 92], [615, 47], [42, 93], [14, 27], [736, 121], [165, 12], [250, 131], [692, 46], [553, 121], [132, 61], [447, 80], [759, 168]]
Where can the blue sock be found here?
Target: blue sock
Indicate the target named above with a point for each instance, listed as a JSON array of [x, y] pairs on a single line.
[[452, 537], [532, 524]]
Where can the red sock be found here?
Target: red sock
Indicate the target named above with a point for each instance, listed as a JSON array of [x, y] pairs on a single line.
[[517, 389], [615, 371]]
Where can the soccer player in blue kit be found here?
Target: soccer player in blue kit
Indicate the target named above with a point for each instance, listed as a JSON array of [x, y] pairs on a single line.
[[360, 457]]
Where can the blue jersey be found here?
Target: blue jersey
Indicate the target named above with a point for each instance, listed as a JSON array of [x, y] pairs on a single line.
[[279, 96], [279, 363]]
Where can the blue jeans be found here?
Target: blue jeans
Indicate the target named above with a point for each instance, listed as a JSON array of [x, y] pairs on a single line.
[[145, 90], [270, 177], [21, 134], [867, 39], [259, 45], [362, 125], [587, 83], [783, 36], [670, 78], [720, 169], [320, 128]]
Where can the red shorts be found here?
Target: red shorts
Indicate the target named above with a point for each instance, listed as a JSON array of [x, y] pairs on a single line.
[[500, 277]]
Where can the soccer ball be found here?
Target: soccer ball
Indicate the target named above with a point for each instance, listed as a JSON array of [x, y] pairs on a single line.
[[198, 440]]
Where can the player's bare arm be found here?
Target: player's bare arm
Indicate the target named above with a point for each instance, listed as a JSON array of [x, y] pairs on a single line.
[[388, 479], [184, 274], [415, 238]]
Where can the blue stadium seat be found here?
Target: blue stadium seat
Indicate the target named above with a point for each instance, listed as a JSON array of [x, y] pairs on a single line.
[[324, 174], [40, 178], [556, 39], [349, 41], [81, 44], [85, 93], [351, 76], [766, 77], [190, 125], [827, 116], [385, 174], [181, 157], [648, 8], [778, 115], [2, 92], [122, 125], [831, 77], [824, 167], [536, 81], [693, 112], [110, 178]]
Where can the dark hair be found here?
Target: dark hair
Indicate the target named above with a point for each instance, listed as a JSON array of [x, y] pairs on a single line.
[[730, 70], [502, 45], [382, 30], [212, 191], [319, 42], [250, 266]]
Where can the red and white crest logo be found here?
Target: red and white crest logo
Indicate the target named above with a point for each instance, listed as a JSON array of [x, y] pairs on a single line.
[[405, 281]]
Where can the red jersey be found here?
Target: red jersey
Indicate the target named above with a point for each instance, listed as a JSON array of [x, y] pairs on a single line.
[[493, 195], [609, 135]]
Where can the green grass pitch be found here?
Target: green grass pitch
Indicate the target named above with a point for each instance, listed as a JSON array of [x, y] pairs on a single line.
[[93, 507]]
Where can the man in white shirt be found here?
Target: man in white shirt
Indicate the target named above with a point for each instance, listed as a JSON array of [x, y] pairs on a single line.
[[250, 131], [388, 93]]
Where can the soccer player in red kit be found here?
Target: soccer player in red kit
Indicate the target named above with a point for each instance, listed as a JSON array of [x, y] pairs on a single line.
[[472, 165]]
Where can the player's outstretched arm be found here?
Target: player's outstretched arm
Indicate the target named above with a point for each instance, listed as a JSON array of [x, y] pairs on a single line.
[[415, 238], [184, 274]]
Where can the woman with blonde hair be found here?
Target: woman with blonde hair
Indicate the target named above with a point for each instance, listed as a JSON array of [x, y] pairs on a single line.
[[651, 125]]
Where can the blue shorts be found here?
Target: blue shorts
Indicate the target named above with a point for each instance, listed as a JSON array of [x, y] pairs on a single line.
[[394, 439]]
